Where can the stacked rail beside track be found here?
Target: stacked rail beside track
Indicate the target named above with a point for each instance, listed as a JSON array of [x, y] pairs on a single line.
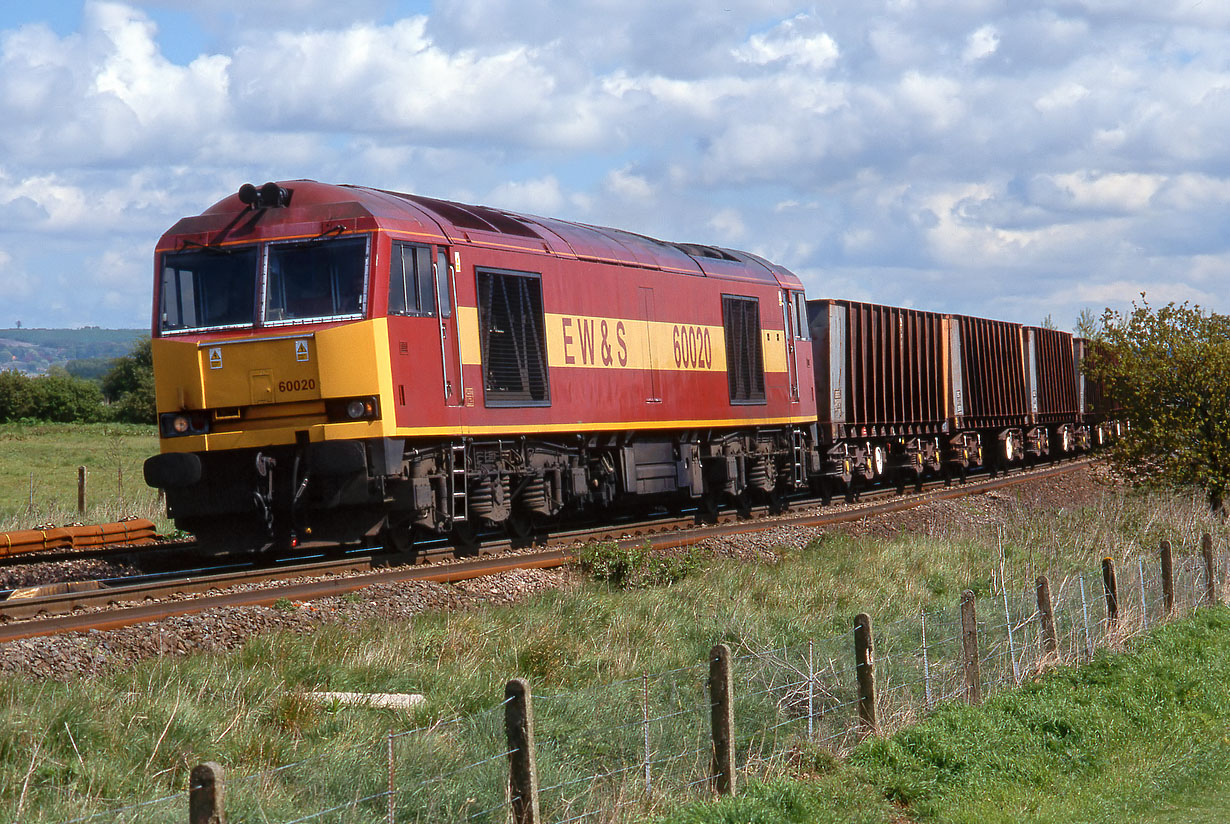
[[136, 530]]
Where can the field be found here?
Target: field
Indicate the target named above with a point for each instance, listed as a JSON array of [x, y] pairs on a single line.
[[1142, 732], [38, 473]]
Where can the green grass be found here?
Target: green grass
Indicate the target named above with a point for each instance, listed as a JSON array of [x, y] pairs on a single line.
[[47, 456], [90, 745], [1138, 736]]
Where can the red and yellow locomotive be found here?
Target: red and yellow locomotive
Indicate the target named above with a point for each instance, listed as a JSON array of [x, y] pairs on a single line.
[[345, 364]]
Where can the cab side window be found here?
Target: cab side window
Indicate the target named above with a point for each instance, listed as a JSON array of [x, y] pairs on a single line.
[[411, 290]]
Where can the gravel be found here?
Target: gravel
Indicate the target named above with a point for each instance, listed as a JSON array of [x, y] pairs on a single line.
[[92, 653]]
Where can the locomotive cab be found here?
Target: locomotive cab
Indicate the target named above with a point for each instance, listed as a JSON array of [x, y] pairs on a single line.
[[268, 364]]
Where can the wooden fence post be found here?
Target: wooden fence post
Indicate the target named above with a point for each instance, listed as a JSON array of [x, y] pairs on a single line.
[[522, 763], [81, 490], [1167, 578], [206, 794], [722, 719], [969, 648], [1210, 569], [1111, 585], [865, 672], [1050, 638]]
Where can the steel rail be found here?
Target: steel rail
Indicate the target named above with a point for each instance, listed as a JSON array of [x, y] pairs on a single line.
[[373, 572]]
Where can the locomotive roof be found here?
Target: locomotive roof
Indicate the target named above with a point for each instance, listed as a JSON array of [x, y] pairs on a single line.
[[458, 222]]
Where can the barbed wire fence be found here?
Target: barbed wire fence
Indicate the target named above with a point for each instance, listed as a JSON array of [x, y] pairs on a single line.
[[658, 740]]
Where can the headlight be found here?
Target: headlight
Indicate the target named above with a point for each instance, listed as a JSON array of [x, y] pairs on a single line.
[[353, 409], [179, 424]]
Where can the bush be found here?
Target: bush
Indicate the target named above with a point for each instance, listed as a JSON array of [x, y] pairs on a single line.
[[637, 566], [1169, 369], [61, 397], [58, 398]]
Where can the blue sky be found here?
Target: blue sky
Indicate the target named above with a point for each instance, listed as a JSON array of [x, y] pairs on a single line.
[[994, 158]]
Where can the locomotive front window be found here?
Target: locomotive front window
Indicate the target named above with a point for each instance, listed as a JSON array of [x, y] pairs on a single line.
[[316, 280], [207, 289]]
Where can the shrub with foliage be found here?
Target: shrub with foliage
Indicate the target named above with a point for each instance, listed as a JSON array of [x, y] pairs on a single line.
[[638, 566], [62, 397], [59, 398], [1169, 369]]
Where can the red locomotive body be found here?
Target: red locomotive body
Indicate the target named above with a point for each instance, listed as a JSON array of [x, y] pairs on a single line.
[[340, 363]]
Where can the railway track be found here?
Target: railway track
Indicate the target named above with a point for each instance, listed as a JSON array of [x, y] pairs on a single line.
[[127, 604]]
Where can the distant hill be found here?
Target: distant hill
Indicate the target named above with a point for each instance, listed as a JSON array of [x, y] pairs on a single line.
[[33, 351]]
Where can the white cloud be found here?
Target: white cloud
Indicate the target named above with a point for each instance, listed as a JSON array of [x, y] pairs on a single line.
[[104, 94], [626, 185], [937, 99], [729, 225], [1119, 193], [543, 196], [981, 44], [1063, 96], [790, 42]]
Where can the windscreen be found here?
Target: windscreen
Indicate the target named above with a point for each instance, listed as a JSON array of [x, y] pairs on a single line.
[[207, 289], [320, 279]]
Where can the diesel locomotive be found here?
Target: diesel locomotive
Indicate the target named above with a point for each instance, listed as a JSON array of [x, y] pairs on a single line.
[[348, 365]]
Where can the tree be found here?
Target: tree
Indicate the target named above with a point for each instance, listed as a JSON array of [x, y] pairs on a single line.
[[129, 386], [1169, 370], [1087, 325]]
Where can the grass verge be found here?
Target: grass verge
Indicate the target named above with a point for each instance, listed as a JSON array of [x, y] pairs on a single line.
[[1137, 736]]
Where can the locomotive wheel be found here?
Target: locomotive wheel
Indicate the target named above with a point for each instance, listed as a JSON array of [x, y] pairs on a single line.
[[398, 537], [465, 539], [520, 528], [709, 506]]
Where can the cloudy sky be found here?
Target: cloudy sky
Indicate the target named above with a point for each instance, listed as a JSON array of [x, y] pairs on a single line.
[[1008, 159]]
